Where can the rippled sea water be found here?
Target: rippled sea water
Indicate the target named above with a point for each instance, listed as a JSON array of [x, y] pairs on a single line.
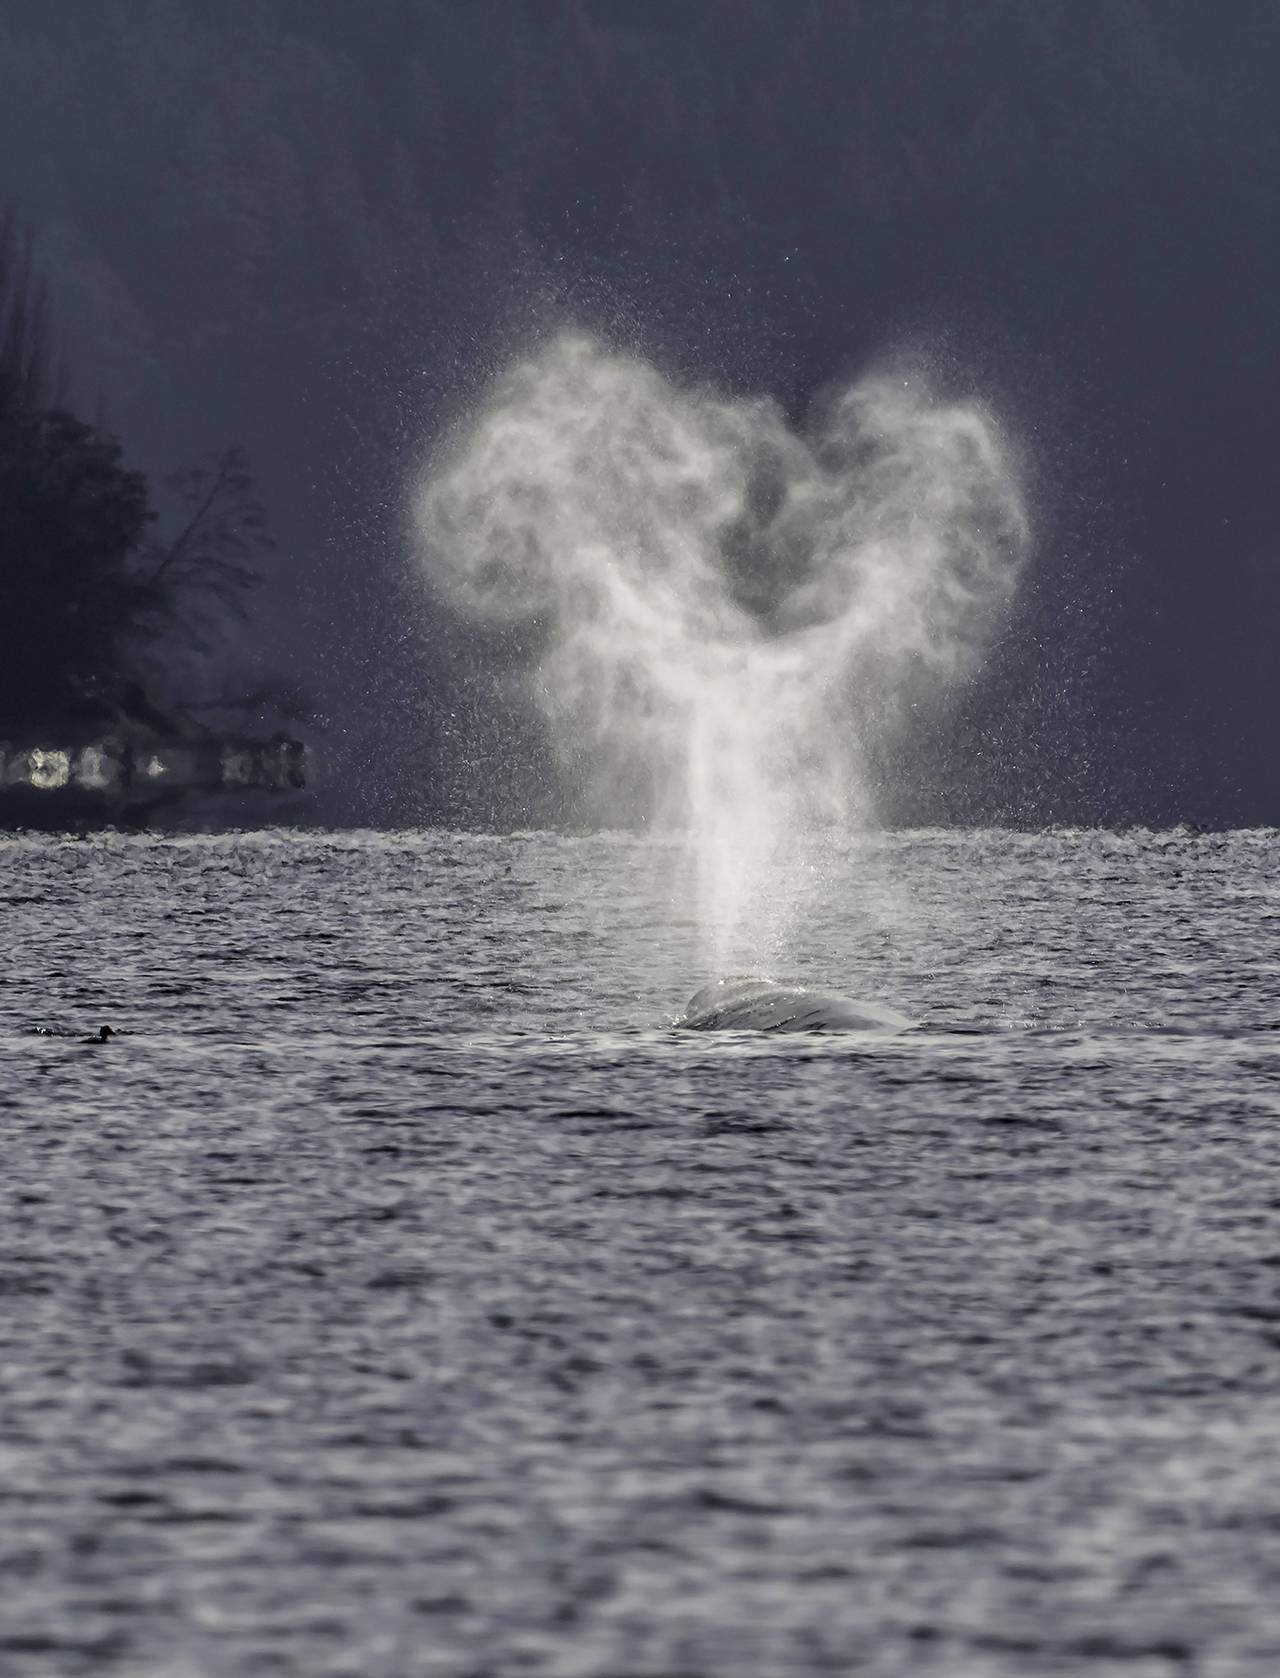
[[398, 1294]]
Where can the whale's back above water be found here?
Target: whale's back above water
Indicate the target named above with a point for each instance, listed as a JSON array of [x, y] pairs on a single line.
[[761, 1005]]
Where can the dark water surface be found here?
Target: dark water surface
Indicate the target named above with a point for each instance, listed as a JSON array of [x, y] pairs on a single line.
[[400, 1295]]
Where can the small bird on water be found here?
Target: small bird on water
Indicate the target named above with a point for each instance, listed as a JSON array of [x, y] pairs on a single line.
[[105, 1033]]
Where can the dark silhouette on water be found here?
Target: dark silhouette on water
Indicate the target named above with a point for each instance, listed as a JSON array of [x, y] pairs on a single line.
[[104, 1035]]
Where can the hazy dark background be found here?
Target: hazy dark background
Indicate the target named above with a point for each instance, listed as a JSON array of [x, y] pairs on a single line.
[[315, 229]]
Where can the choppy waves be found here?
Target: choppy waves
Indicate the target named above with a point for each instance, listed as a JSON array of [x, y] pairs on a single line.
[[401, 1295]]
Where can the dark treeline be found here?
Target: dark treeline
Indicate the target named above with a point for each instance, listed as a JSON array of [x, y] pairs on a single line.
[[331, 225], [88, 586], [72, 522]]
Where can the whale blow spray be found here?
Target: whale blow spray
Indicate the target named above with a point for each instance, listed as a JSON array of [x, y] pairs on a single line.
[[721, 620]]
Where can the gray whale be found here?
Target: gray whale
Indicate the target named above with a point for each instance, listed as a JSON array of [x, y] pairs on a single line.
[[761, 1005]]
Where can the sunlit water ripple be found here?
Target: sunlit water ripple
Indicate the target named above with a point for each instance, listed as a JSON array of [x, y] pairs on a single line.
[[399, 1294]]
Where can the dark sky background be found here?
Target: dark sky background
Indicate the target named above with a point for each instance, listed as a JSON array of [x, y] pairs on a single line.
[[316, 229]]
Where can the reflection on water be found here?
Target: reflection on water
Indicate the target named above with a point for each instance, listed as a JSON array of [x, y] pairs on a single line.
[[398, 1294]]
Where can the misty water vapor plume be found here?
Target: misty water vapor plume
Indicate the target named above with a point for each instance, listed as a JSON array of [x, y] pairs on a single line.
[[723, 622]]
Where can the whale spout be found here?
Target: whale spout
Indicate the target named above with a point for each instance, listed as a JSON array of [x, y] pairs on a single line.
[[737, 1004]]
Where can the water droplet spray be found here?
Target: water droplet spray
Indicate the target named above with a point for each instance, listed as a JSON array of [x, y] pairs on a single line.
[[721, 619]]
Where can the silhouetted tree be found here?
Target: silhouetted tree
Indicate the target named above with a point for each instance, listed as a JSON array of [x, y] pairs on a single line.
[[26, 370], [82, 578], [201, 574], [71, 518]]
